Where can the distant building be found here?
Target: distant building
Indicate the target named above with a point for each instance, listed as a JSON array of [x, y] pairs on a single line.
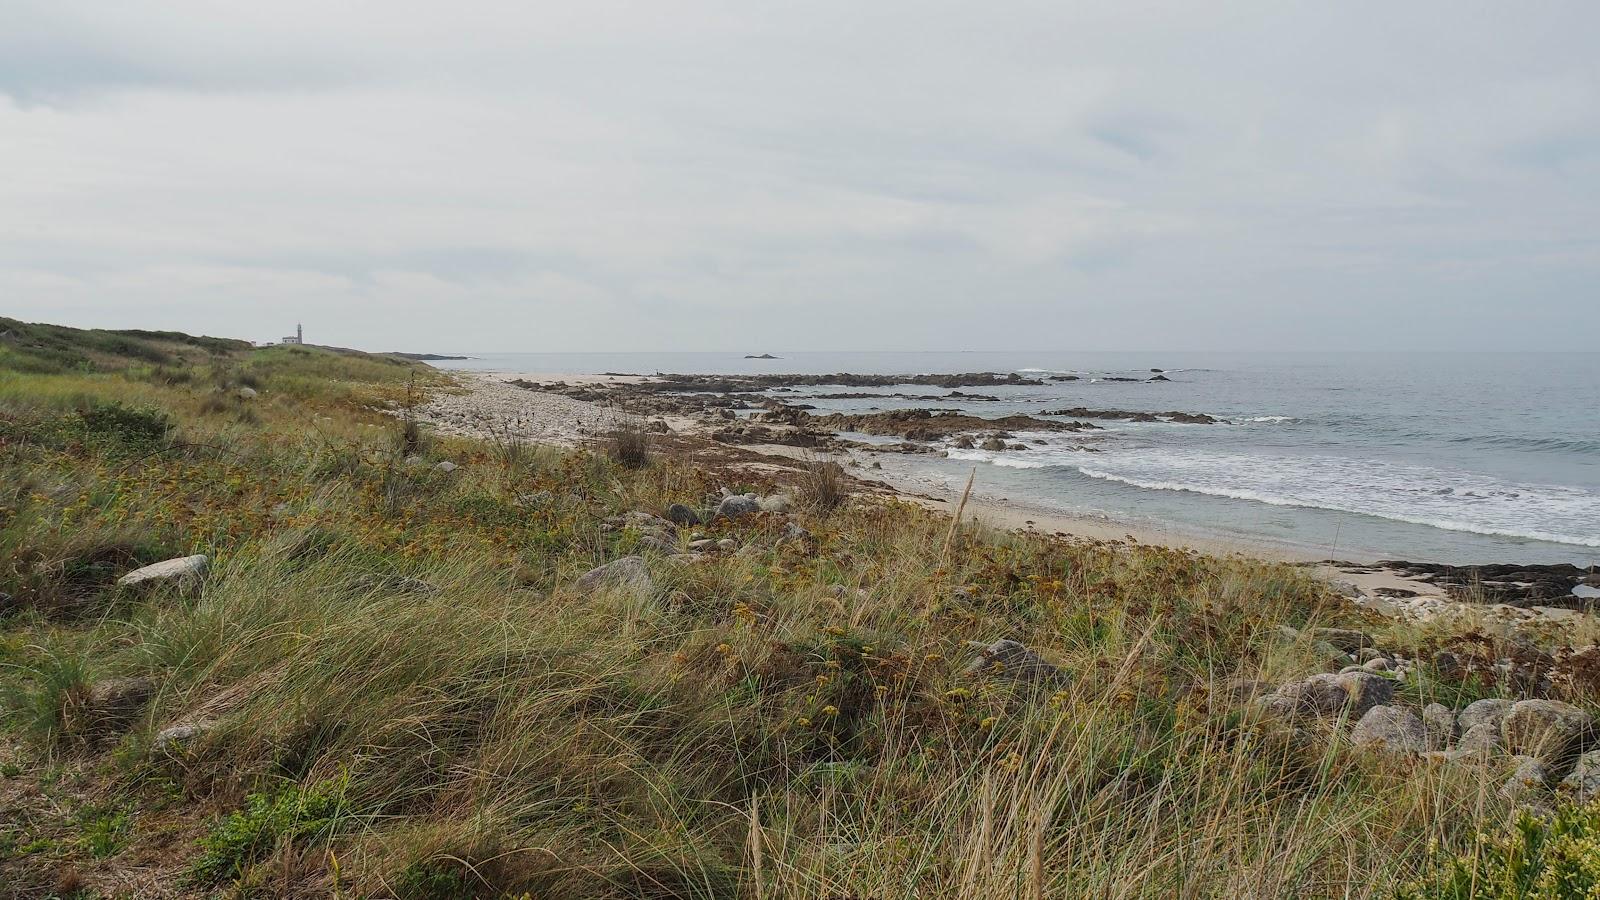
[[298, 337]]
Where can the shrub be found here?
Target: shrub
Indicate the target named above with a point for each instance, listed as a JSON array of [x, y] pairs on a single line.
[[114, 427], [433, 881], [246, 836], [1533, 859]]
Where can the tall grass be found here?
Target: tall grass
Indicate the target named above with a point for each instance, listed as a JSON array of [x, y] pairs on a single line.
[[627, 442]]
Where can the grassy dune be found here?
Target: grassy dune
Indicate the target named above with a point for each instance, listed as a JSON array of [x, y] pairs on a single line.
[[400, 691]]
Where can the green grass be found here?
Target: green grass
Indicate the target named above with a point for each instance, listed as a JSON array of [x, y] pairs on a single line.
[[396, 672]]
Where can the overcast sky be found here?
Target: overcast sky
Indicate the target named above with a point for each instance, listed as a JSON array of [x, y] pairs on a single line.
[[589, 175]]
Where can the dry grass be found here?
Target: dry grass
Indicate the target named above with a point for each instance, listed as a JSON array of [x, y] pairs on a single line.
[[824, 486], [627, 442]]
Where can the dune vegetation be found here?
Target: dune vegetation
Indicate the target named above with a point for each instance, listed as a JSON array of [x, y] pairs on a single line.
[[389, 680]]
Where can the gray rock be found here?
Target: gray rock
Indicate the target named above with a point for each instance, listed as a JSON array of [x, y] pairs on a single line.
[[1242, 689], [736, 507], [1365, 690], [184, 568], [1344, 639], [643, 521], [1484, 712], [703, 545], [114, 701], [1390, 728], [727, 545], [445, 466], [629, 572], [1345, 588], [247, 393], [1583, 782], [1319, 695], [1377, 665], [176, 737], [1316, 695], [1449, 666], [1277, 706], [1006, 658], [777, 503], [678, 514], [1528, 782], [1482, 738], [1546, 730], [1439, 725], [793, 532], [656, 543]]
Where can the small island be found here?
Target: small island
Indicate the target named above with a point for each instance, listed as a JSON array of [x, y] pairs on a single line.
[[761, 356]]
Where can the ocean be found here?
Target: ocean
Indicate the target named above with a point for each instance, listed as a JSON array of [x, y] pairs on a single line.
[[1455, 458]]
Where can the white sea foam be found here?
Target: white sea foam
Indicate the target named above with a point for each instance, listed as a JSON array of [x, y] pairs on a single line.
[[1007, 460], [1420, 495]]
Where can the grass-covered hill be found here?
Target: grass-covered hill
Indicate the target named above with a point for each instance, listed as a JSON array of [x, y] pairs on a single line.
[[391, 680]]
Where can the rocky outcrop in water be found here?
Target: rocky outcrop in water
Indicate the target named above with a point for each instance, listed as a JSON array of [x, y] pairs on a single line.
[[1123, 415], [933, 425]]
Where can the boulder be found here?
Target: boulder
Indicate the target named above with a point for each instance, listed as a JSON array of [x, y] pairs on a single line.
[[184, 568], [1006, 658], [678, 514], [1583, 782], [736, 507], [1319, 695], [1546, 730], [777, 503], [1482, 738], [1491, 711], [1448, 666], [1528, 781], [657, 543], [629, 571], [1392, 728], [1439, 726], [993, 444], [1365, 690], [113, 702], [175, 737]]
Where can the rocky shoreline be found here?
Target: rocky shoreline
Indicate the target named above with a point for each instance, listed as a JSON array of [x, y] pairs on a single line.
[[700, 413], [715, 402]]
